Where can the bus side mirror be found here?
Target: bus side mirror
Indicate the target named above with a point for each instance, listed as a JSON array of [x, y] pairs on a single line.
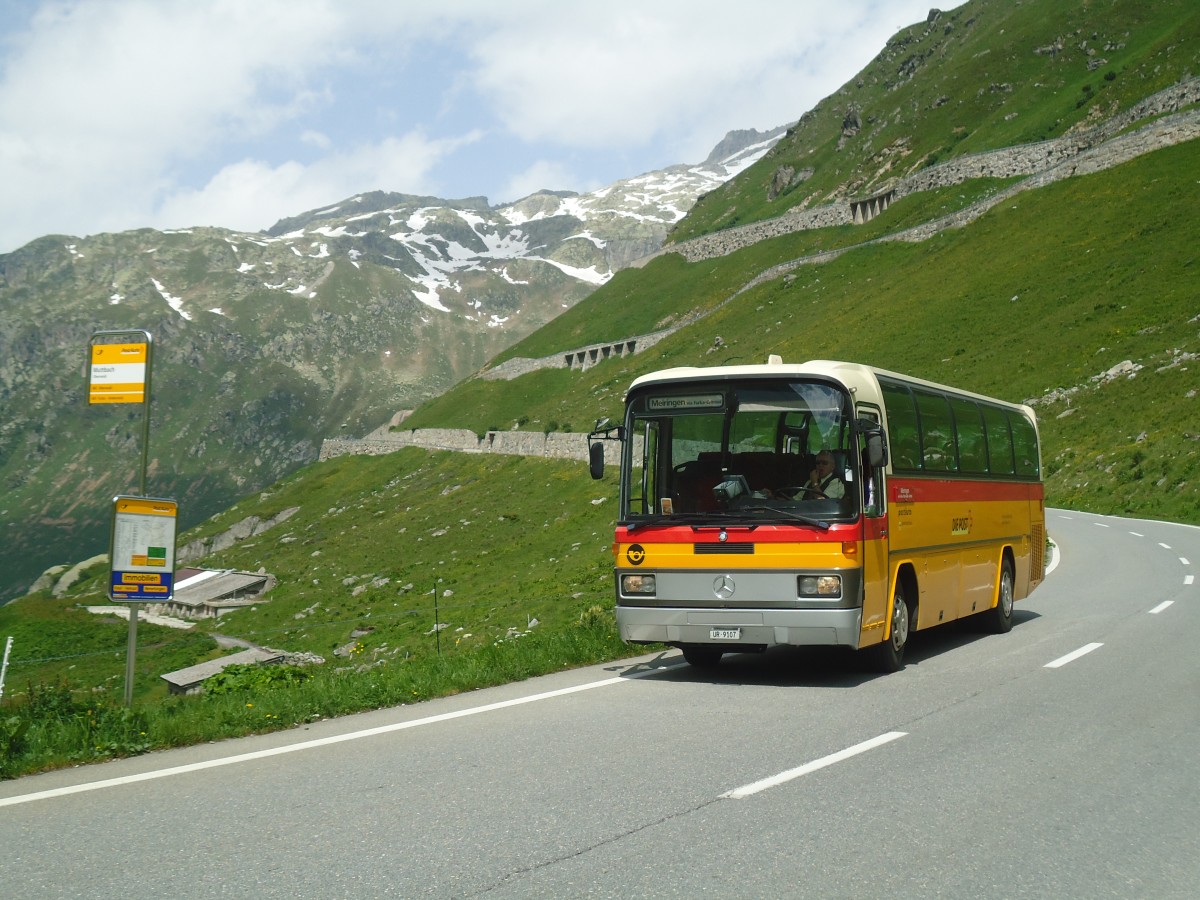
[[596, 460], [877, 454]]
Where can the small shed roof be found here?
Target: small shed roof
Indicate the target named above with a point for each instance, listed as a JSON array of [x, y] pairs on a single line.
[[208, 586], [194, 675]]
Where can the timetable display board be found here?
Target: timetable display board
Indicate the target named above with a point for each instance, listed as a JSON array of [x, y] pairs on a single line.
[[142, 553]]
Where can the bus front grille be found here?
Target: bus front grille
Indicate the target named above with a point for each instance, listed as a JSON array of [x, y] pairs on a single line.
[[744, 548]]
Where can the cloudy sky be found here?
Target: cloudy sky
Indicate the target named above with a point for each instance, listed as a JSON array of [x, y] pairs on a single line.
[[119, 114]]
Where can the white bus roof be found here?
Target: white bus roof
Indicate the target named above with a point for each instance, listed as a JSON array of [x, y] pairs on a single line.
[[852, 375]]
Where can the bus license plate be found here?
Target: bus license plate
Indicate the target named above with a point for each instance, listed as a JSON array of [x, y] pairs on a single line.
[[725, 634]]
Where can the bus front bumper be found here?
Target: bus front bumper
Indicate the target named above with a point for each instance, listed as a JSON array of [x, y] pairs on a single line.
[[754, 627]]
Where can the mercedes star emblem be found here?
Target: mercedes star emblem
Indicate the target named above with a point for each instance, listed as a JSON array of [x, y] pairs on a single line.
[[723, 587]]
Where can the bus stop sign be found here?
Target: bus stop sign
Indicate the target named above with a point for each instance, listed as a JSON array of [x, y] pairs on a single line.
[[118, 373]]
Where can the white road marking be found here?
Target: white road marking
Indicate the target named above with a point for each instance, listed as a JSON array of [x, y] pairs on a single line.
[[1136, 534], [1101, 525], [1183, 559], [783, 777], [1161, 607], [309, 745], [1189, 579], [1055, 558], [1164, 546], [1071, 657]]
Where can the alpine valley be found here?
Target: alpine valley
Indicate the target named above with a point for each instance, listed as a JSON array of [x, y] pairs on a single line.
[[266, 343]]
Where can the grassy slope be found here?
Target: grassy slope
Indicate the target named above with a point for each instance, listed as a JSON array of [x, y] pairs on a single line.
[[972, 82], [503, 540]]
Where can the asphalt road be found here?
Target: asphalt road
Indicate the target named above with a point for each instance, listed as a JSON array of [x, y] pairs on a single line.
[[1055, 761]]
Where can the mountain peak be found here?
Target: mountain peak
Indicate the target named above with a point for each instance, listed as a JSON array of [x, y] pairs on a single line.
[[371, 202]]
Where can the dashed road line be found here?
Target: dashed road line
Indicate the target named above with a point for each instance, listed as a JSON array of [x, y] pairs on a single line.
[[754, 787], [1072, 656]]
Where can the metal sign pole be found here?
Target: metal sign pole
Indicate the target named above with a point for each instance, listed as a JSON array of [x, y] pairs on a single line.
[[142, 562], [4, 668], [130, 653], [145, 429], [120, 371]]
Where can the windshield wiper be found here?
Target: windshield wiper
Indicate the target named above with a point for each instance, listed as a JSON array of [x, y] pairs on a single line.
[[720, 519], [693, 519], [816, 523]]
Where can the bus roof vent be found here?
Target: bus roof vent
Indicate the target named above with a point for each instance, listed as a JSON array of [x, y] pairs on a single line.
[[774, 360]]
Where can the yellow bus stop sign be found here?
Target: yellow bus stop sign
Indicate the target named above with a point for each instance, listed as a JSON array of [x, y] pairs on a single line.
[[118, 373]]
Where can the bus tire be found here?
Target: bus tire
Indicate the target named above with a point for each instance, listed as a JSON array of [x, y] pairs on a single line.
[[702, 656], [998, 619], [889, 655]]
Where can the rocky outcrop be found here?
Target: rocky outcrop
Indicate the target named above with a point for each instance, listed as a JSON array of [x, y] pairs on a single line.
[[250, 526]]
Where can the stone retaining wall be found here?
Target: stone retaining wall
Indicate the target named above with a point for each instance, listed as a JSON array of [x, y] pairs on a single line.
[[1011, 162], [581, 359], [555, 445]]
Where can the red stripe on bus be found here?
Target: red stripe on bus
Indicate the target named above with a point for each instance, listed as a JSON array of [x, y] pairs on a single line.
[[763, 534], [875, 528], [941, 490]]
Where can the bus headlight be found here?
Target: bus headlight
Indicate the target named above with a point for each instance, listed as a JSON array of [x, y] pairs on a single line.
[[638, 584], [819, 585]]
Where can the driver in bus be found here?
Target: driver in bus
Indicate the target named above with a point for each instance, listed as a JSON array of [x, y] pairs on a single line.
[[824, 480]]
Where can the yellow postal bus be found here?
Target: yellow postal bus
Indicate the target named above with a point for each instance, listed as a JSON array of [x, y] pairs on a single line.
[[826, 503]]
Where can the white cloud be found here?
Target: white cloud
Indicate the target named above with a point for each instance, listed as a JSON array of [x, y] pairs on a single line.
[[118, 114], [316, 139], [683, 70], [542, 175], [102, 102], [251, 195]]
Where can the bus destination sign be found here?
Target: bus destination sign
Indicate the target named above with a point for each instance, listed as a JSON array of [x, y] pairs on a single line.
[[690, 401]]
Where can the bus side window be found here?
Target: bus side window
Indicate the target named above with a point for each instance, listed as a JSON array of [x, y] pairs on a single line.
[[968, 425], [1024, 445], [903, 441], [939, 453], [872, 476], [999, 441], [642, 474]]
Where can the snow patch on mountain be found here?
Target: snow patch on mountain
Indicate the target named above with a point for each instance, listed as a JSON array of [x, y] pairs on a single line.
[[176, 303]]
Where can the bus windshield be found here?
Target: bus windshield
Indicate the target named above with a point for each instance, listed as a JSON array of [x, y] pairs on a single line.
[[753, 450]]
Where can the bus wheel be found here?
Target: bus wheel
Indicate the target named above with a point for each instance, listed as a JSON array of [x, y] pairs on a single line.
[[702, 656], [998, 619], [889, 656]]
